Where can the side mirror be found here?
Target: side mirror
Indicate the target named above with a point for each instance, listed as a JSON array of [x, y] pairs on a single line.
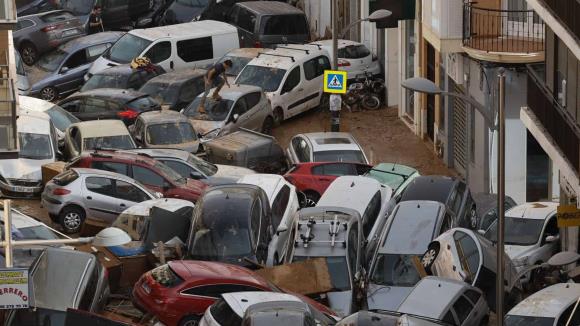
[[552, 238], [480, 231], [235, 117], [195, 175], [281, 229], [166, 187], [63, 70]]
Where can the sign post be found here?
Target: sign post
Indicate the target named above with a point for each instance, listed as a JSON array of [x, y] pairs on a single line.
[[335, 84]]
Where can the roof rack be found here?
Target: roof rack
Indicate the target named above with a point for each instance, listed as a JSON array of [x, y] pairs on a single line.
[[295, 49], [334, 228], [277, 55]]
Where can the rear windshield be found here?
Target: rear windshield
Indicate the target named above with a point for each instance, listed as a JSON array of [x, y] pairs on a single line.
[[65, 178], [115, 142], [105, 81], [284, 25], [224, 315], [163, 92], [170, 133], [127, 48], [338, 270], [56, 17], [193, 3], [354, 52], [143, 103], [339, 156], [61, 118], [78, 7]]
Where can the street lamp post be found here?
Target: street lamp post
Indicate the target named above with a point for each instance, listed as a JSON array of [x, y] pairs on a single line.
[[426, 86]]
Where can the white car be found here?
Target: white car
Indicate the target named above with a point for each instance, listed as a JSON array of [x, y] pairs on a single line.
[[325, 147], [291, 76], [96, 134], [531, 234], [60, 118], [353, 57], [284, 204], [548, 307], [366, 196]]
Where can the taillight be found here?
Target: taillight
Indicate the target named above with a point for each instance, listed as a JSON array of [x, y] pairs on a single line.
[[60, 192], [257, 44], [128, 114], [49, 28], [343, 63]]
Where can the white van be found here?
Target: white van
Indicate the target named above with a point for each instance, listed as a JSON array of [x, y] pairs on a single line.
[[172, 47]]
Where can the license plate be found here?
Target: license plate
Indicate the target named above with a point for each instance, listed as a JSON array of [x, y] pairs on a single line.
[[22, 189], [70, 32], [146, 288]]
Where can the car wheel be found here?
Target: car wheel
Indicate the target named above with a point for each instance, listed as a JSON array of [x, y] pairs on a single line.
[[278, 116], [267, 126], [28, 53], [473, 217], [49, 94], [312, 198], [190, 321], [429, 257], [72, 218]]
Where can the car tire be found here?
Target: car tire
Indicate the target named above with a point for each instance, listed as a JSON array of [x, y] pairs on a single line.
[[312, 198], [268, 125], [278, 116], [28, 53], [49, 93], [71, 219], [429, 257], [191, 320]]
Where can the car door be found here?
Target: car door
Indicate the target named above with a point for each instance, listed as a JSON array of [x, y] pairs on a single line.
[[464, 312], [547, 249], [72, 106], [71, 72], [100, 198], [238, 116], [183, 169], [324, 174], [313, 80], [255, 113], [94, 108], [149, 178], [245, 21], [128, 195], [115, 13], [281, 210], [291, 94], [160, 54]]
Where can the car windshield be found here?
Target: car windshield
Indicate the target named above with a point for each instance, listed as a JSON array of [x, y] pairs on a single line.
[[170, 173], [339, 156], [215, 111], [515, 320], [238, 63], [221, 238], [163, 92], [78, 7], [205, 167], [126, 48], [61, 118], [267, 78], [518, 231], [395, 270], [114, 142], [170, 133], [105, 81], [338, 270], [52, 60], [193, 3], [34, 146]]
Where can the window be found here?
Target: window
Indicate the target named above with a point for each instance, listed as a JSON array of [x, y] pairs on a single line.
[[25, 23], [255, 220], [284, 25], [253, 99], [90, 290], [135, 81], [246, 20], [120, 168], [371, 213], [71, 106], [449, 318], [159, 52], [214, 291], [147, 177], [94, 105], [457, 201], [131, 193], [240, 107], [336, 169], [101, 186], [183, 169], [93, 52], [355, 51], [462, 308], [292, 80], [190, 89], [473, 296], [315, 67], [77, 59], [468, 254], [279, 205], [352, 246], [516, 11], [195, 49]]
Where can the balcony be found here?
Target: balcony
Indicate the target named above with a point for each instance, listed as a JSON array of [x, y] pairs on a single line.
[[502, 36], [557, 123]]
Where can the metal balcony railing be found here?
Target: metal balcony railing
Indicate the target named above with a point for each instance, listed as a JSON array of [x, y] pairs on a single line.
[[493, 30]]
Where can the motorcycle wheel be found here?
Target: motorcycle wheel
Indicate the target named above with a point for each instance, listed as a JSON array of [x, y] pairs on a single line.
[[371, 102], [350, 98]]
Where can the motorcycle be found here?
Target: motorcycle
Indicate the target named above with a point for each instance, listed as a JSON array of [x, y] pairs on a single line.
[[366, 91]]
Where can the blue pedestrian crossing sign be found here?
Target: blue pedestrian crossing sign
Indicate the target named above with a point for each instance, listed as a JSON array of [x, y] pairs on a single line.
[[334, 81]]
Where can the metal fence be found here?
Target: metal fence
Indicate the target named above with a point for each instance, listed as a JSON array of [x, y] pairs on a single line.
[[493, 30]]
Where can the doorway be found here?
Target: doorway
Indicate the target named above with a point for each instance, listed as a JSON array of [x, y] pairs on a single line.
[[431, 98]]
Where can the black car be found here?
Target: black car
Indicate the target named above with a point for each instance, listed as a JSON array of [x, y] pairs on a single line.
[[122, 76], [451, 192], [233, 224], [109, 103], [175, 90], [183, 11], [116, 15]]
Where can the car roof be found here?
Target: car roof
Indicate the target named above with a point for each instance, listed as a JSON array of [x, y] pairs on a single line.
[[420, 301], [234, 92], [246, 52], [119, 155], [90, 40], [395, 168], [270, 183], [178, 77], [117, 70], [238, 197], [413, 225], [168, 204], [44, 13], [548, 302], [195, 271], [352, 192], [103, 173], [429, 187], [192, 29], [34, 104], [240, 301], [270, 8], [535, 210], [162, 152], [101, 128], [111, 93], [163, 116], [327, 44], [324, 141], [33, 122], [287, 56]]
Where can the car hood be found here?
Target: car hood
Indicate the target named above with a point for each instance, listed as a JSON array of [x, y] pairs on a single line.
[[188, 147], [202, 127], [340, 302], [381, 297], [22, 168], [230, 171], [517, 252]]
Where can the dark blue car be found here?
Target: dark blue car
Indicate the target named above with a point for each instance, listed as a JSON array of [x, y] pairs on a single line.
[[62, 70]]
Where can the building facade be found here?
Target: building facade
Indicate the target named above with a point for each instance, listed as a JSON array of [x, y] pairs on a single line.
[[8, 80]]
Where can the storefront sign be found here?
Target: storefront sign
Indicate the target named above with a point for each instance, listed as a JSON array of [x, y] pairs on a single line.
[[14, 288], [568, 215]]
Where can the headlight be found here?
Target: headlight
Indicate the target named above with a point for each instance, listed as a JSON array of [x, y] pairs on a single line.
[[521, 262]]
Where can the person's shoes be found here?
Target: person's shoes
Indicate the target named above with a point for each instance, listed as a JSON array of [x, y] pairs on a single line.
[[201, 109], [217, 97]]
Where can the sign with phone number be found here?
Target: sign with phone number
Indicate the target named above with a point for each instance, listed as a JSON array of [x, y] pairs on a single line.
[[14, 288]]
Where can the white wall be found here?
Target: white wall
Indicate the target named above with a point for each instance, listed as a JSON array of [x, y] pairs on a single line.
[[319, 16], [444, 17], [392, 49]]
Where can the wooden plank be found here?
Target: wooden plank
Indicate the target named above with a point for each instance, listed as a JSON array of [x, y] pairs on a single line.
[[291, 277]]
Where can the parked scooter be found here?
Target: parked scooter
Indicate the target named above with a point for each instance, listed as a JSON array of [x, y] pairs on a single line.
[[366, 91]]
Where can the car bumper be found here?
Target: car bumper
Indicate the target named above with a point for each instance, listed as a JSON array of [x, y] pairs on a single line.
[[148, 306], [52, 205], [21, 188]]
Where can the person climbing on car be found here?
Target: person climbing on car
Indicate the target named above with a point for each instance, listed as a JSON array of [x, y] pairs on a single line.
[[95, 21], [213, 79]]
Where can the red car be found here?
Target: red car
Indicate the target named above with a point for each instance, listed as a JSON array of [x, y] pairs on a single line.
[[150, 172], [179, 292], [314, 178]]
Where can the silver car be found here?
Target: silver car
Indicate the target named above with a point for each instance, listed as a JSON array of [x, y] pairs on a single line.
[[241, 106], [76, 194], [164, 129], [325, 147]]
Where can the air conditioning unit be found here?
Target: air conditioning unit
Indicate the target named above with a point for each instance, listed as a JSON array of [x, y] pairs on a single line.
[[455, 67]]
